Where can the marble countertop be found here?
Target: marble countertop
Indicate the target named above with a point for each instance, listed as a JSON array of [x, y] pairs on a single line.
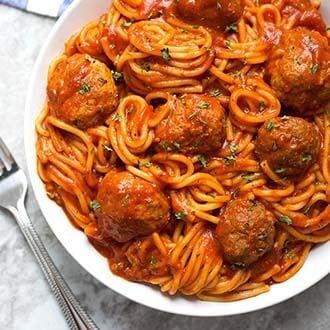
[[26, 301]]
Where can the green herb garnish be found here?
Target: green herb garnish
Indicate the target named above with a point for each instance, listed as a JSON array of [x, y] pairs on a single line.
[[229, 44], [230, 160], [233, 148], [262, 106], [307, 158], [166, 54], [314, 68], [180, 215], [232, 27], [117, 76], [247, 177], [203, 161], [270, 125], [125, 202], [203, 105], [126, 24], [291, 254], [153, 262], [118, 118], [216, 93], [95, 205], [285, 219], [85, 88]]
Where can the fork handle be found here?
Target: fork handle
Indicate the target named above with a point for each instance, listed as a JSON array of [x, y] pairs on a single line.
[[73, 312]]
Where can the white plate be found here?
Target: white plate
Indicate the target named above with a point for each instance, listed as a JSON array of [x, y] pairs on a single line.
[[316, 267]]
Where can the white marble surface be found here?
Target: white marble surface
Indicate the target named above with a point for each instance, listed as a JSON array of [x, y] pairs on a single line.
[[25, 299]]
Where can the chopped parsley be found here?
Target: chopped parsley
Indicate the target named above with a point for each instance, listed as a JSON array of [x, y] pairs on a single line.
[[194, 115], [117, 76], [146, 66], [118, 118], [180, 215], [95, 205], [164, 146], [166, 54], [153, 262], [232, 27], [306, 210], [270, 125], [262, 106], [314, 68], [126, 24], [203, 105], [216, 93], [85, 88], [125, 202], [177, 145], [147, 164], [203, 161], [280, 170], [298, 60], [233, 148], [307, 158], [291, 254], [229, 44], [285, 219], [230, 160], [247, 177]]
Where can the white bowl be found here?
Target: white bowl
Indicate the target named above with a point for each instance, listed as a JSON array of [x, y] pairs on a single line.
[[316, 267]]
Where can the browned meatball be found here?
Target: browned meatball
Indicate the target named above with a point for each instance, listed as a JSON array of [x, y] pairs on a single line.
[[245, 231], [299, 70], [290, 145], [211, 13], [194, 126], [130, 207], [82, 91]]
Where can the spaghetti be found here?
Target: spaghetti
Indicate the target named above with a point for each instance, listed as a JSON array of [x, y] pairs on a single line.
[[155, 126]]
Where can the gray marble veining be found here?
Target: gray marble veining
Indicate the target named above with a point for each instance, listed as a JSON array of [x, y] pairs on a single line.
[[25, 299]]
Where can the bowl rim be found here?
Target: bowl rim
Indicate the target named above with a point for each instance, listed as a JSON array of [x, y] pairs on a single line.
[[176, 305]]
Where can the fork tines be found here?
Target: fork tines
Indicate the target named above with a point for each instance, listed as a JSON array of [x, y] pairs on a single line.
[[7, 161]]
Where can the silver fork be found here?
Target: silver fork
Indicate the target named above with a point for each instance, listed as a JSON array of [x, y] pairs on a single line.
[[13, 188]]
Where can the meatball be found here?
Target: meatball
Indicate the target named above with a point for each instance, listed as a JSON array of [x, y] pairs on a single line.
[[245, 231], [211, 13], [82, 91], [194, 125], [299, 70], [130, 207], [290, 145]]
